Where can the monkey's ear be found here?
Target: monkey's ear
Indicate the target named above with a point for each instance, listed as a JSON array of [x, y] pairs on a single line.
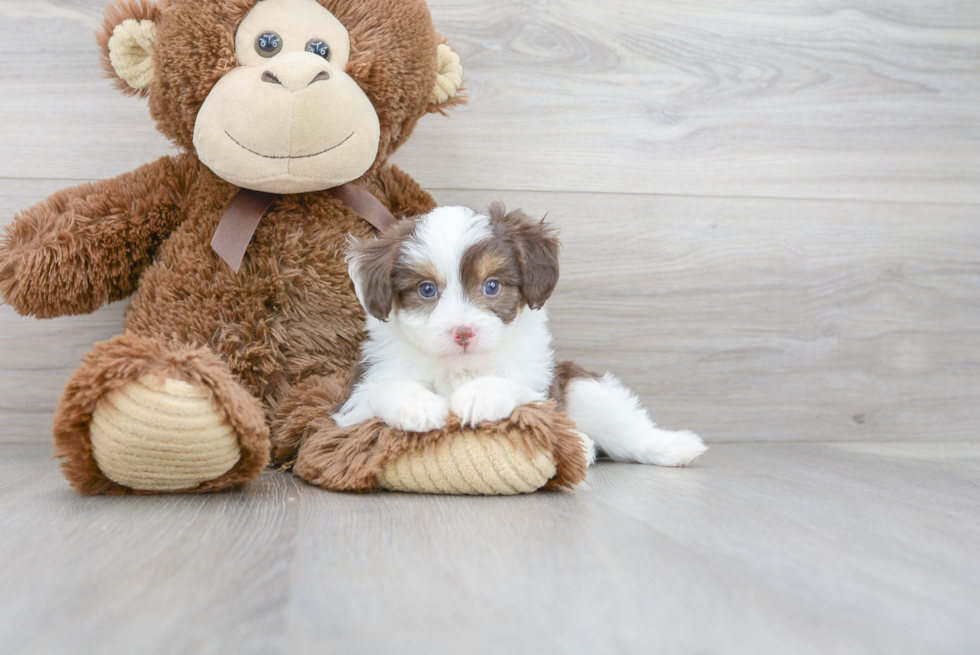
[[126, 39], [447, 92]]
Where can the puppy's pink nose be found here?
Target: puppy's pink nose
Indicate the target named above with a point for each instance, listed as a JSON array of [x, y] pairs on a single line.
[[462, 335]]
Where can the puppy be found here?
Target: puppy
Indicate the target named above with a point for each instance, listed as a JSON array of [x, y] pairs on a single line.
[[456, 322]]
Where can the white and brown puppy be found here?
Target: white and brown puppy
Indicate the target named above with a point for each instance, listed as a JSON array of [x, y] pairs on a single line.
[[456, 323]]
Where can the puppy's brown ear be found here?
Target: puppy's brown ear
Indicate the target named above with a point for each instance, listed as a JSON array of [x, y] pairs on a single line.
[[371, 264], [538, 252]]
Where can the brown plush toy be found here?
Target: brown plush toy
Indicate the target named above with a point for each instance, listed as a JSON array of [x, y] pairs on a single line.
[[285, 113]]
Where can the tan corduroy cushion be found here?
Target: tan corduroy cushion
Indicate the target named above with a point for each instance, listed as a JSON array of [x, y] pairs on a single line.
[[162, 436], [490, 465], [535, 448]]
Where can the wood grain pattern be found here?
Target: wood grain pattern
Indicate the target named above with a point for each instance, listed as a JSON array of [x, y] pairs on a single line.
[[789, 548], [791, 318], [743, 319], [754, 319], [828, 99], [814, 99], [770, 217]]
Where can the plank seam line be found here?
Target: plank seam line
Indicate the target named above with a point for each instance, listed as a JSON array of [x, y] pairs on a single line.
[[875, 201]]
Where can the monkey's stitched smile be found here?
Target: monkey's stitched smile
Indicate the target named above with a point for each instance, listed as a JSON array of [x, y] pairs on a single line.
[[315, 154]]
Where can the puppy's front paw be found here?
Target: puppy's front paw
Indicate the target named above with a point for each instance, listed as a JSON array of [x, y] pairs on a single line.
[[482, 400], [668, 448], [417, 412]]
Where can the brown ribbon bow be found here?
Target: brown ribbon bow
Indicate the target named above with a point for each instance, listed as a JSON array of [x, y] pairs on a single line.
[[238, 225]]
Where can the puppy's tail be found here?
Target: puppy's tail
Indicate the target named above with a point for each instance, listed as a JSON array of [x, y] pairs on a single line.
[[611, 415]]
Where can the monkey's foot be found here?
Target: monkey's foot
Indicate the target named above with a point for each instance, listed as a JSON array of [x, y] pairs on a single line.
[[142, 416], [162, 435]]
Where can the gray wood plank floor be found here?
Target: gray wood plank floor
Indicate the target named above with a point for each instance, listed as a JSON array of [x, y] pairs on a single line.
[[650, 131], [838, 99], [762, 548], [743, 319], [771, 217]]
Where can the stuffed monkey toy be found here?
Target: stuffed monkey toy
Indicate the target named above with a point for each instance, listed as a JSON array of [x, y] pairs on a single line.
[[243, 325]]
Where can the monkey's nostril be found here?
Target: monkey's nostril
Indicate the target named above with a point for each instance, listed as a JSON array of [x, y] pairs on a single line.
[[322, 76], [269, 77]]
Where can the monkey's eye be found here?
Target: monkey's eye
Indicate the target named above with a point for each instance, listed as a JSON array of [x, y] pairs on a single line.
[[491, 288], [318, 47], [268, 44], [428, 290]]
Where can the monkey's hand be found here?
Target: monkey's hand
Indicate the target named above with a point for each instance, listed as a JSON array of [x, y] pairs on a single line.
[[87, 245]]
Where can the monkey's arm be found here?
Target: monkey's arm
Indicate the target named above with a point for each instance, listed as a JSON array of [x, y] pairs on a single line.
[[401, 193], [87, 245]]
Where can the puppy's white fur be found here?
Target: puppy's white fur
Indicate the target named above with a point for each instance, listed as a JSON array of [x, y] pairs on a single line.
[[415, 372]]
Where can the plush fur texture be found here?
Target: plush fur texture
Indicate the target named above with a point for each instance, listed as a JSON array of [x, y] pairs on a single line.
[[301, 415], [290, 315], [611, 415], [565, 373], [481, 353], [127, 357], [452, 327], [116, 14], [292, 121], [394, 50], [88, 245], [350, 458]]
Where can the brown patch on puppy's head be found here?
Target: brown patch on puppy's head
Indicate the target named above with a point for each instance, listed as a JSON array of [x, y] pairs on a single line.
[[406, 282], [493, 260], [535, 249]]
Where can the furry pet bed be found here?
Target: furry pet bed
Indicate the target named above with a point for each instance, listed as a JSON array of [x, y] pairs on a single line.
[[536, 448]]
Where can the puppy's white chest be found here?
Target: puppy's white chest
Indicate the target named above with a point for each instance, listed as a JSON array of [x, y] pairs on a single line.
[[447, 382]]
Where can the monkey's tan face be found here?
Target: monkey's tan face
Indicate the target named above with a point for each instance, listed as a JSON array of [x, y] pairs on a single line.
[[288, 119]]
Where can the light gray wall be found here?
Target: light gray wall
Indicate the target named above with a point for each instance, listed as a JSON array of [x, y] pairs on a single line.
[[771, 211]]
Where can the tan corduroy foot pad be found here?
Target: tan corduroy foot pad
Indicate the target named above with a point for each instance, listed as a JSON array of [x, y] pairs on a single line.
[[162, 436], [489, 465], [535, 448]]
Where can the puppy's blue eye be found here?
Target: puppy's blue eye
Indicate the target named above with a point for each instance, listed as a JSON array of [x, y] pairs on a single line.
[[491, 288], [268, 44], [318, 47], [428, 290]]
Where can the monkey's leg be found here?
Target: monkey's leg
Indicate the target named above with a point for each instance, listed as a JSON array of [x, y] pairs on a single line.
[[303, 413], [143, 416]]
